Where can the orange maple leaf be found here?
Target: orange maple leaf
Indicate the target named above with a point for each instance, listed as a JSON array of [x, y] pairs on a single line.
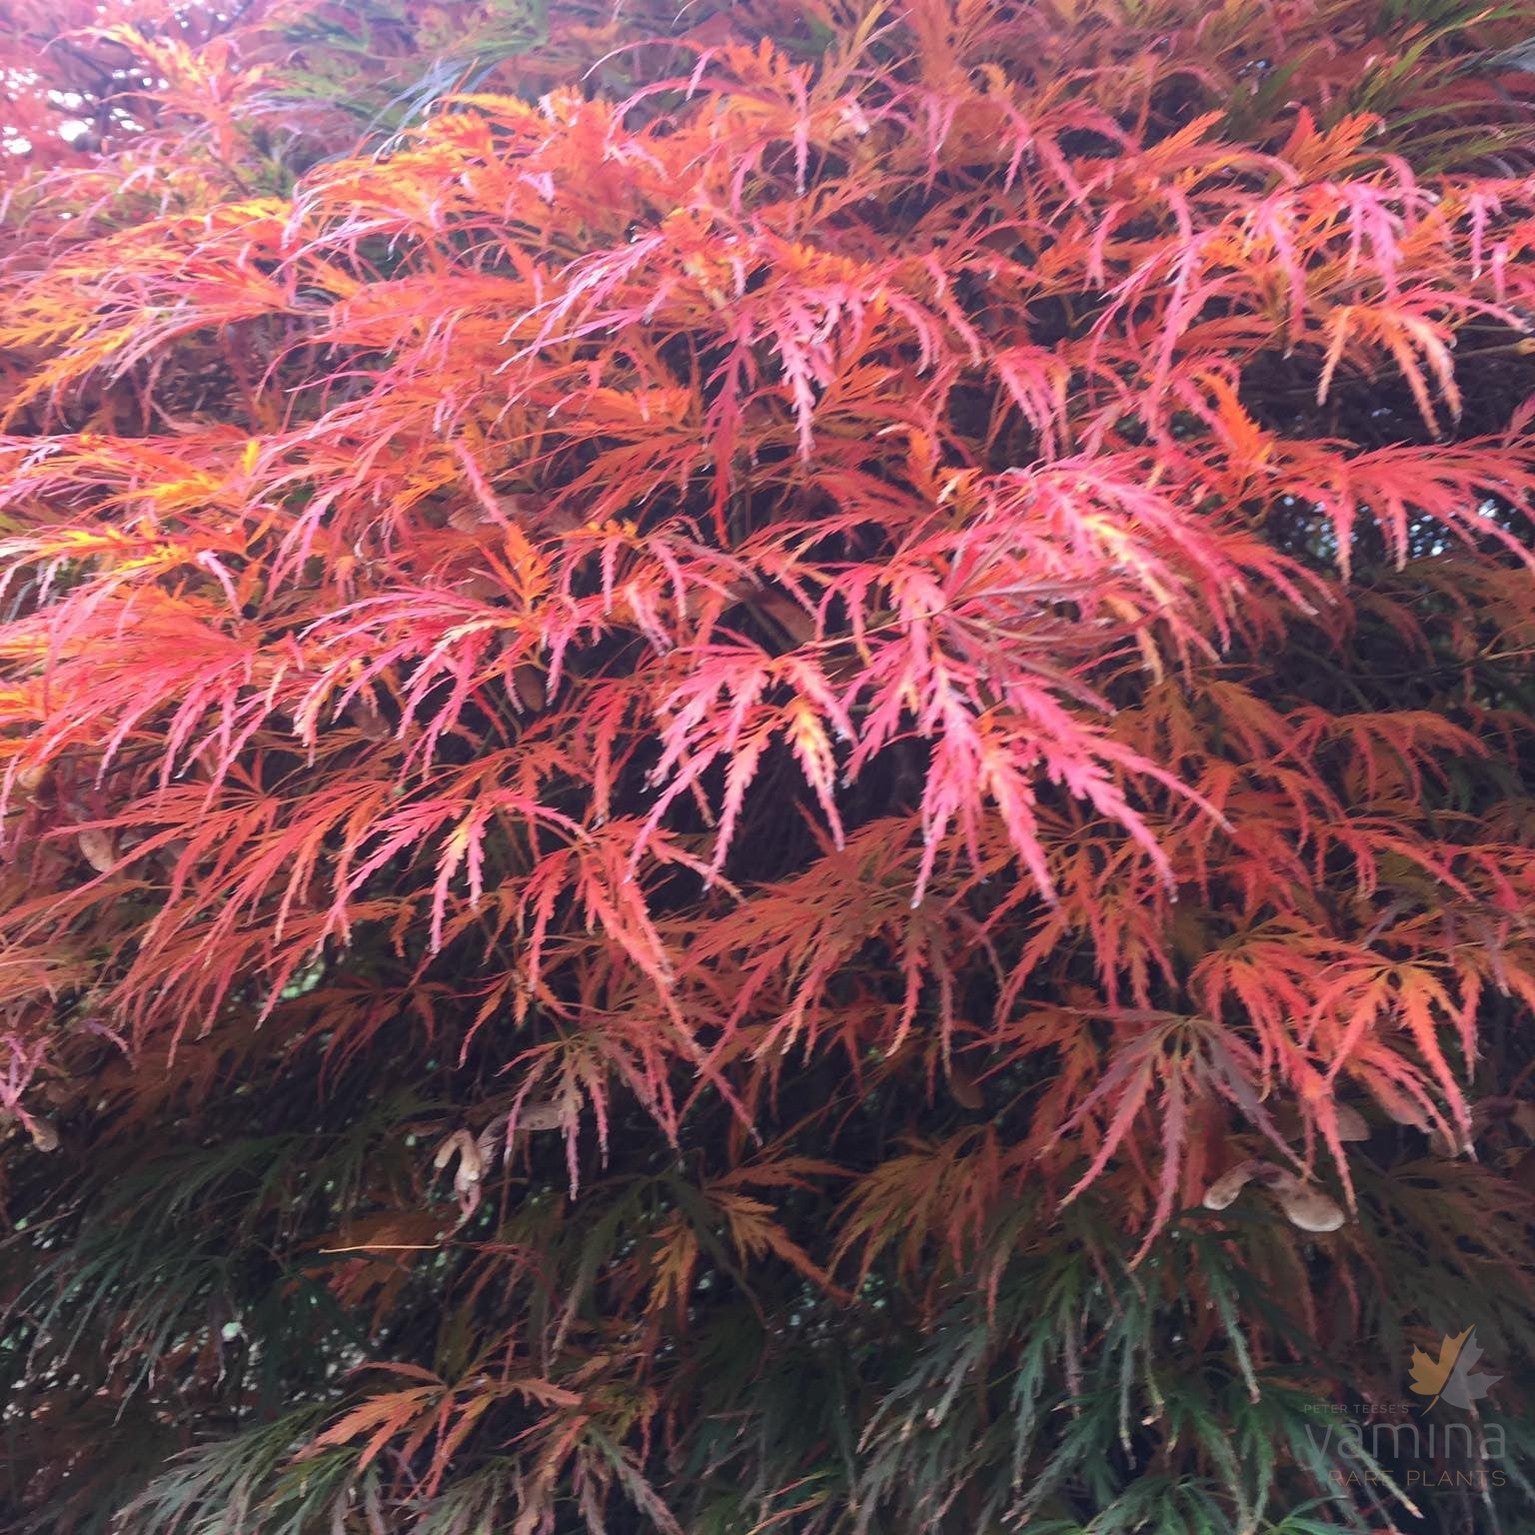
[[1429, 1376]]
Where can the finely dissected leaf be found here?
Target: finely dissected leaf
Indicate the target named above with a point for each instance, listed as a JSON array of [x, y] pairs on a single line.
[[763, 767]]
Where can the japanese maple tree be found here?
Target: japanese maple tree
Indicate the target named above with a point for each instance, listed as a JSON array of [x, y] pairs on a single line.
[[768, 768]]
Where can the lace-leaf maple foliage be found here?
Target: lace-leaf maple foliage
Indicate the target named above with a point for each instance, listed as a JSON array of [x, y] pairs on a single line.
[[765, 769]]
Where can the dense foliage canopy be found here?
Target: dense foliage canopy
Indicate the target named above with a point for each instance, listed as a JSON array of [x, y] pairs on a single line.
[[768, 768]]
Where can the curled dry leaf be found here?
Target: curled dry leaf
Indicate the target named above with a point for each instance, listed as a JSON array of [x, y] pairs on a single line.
[[540, 1116], [453, 1146], [470, 1169]]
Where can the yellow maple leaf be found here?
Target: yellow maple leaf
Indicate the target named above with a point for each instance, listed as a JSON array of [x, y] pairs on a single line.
[[1429, 1375]]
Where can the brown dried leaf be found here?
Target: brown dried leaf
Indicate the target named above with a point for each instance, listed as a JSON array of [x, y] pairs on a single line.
[[966, 1090], [364, 714], [1351, 1125], [528, 685]]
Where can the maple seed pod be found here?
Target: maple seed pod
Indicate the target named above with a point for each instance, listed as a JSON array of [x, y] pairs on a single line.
[[43, 1132], [540, 1116], [1400, 1109], [1306, 1207], [1223, 1192], [469, 1171]]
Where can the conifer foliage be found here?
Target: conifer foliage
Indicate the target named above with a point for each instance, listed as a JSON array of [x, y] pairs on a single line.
[[764, 769]]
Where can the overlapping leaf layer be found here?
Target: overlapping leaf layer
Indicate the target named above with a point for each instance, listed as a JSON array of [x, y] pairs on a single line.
[[764, 770]]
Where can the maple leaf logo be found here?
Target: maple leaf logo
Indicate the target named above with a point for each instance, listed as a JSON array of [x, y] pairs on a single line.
[[1453, 1374]]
